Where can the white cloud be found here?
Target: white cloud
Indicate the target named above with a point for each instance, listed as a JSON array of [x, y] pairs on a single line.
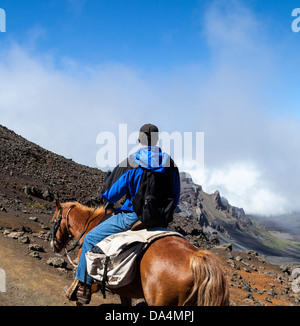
[[244, 186], [64, 110], [238, 178], [251, 154]]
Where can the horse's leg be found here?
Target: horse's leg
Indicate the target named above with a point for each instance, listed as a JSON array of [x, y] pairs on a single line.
[[125, 301]]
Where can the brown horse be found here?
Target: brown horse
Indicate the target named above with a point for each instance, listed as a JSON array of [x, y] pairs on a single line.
[[171, 271]]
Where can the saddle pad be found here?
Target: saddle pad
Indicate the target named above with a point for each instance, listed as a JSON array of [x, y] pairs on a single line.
[[115, 256]]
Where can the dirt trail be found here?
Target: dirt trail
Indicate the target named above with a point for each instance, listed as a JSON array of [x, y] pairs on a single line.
[[31, 282]]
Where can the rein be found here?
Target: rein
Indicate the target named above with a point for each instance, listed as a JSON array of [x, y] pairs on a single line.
[[85, 228]]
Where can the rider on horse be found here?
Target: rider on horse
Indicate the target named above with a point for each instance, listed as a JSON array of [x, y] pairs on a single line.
[[125, 179]]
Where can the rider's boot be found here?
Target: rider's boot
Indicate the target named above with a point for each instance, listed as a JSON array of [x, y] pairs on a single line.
[[79, 291]]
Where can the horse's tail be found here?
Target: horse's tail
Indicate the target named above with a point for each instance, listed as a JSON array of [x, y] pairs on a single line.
[[210, 285]]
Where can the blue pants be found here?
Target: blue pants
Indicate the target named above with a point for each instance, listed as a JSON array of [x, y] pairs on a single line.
[[115, 224]]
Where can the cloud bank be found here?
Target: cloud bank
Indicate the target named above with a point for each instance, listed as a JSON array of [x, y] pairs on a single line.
[[252, 152]]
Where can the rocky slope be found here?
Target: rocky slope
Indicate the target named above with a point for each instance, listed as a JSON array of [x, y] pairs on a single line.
[[227, 223], [31, 176], [40, 174]]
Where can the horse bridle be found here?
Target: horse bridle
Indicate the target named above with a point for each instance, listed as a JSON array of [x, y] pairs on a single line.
[[57, 225]]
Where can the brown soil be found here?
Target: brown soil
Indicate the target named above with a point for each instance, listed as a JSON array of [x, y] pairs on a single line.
[[32, 282], [29, 280], [267, 284]]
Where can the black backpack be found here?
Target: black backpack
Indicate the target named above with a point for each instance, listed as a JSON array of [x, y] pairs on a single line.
[[154, 200]]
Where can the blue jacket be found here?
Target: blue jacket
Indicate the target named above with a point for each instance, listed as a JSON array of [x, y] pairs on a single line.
[[125, 178]]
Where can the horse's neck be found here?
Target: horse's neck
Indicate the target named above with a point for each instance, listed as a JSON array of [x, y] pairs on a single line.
[[84, 221]]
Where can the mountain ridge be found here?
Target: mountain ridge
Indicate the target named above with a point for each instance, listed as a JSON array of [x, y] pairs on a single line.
[[32, 175]]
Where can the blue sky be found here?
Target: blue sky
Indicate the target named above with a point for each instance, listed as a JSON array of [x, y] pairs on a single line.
[[146, 34], [139, 33], [70, 69]]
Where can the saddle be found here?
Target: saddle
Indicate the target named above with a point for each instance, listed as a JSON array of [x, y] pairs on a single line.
[[138, 226]]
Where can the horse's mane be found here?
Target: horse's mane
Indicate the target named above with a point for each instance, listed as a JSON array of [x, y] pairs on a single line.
[[84, 208]]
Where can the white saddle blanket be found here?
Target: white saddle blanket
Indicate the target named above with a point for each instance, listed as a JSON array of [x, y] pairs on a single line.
[[119, 252]]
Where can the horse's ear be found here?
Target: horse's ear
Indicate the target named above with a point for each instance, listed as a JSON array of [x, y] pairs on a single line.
[[57, 203]]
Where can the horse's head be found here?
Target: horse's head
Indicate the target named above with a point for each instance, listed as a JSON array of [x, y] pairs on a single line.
[[60, 232], [74, 220]]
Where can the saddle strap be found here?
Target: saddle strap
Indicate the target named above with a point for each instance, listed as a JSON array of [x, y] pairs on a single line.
[[104, 279]]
